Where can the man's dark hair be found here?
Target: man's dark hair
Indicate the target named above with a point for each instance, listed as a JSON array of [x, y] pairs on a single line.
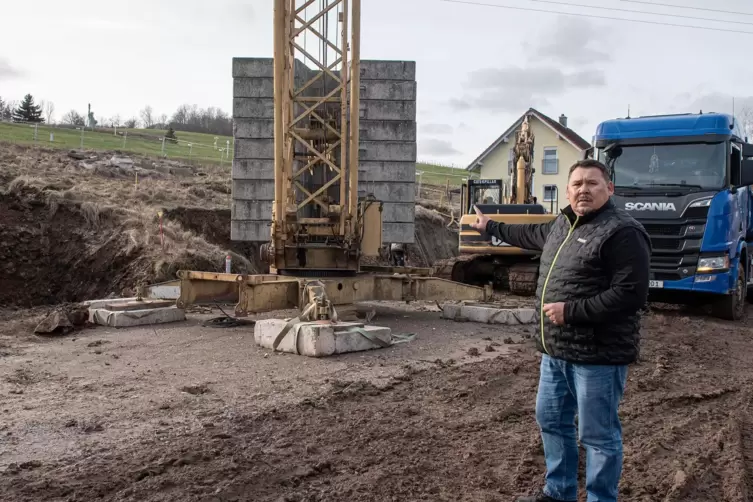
[[591, 164]]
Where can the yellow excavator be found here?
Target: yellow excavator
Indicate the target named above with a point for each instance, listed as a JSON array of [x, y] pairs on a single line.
[[485, 259]]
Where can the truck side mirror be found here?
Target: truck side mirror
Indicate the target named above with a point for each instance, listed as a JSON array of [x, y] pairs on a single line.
[[746, 173], [747, 150]]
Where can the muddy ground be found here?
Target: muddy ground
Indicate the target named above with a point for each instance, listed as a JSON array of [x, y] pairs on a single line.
[[185, 412]]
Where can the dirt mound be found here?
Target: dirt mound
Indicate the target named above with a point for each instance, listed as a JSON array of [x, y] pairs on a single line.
[[214, 226], [434, 240], [56, 250]]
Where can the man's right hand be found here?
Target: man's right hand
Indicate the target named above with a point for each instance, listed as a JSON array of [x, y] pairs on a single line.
[[481, 220]]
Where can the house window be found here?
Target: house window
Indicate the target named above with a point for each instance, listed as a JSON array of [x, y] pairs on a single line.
[[550, 163], [550, 193]]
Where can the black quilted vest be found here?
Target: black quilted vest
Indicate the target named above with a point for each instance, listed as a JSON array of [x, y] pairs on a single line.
[[571, 268]]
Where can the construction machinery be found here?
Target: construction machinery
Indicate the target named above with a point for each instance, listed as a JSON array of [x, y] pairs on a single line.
[[484, 259], [320, 228]]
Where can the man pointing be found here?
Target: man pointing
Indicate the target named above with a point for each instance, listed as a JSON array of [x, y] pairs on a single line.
[[593, 280]]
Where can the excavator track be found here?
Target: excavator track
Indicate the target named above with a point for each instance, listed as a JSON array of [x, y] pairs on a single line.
[[478, 269]]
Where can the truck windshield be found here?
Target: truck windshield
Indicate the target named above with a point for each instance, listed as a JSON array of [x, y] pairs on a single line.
[[697, 165]]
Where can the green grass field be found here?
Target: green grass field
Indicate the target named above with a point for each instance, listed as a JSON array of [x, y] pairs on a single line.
[[434, 174], [191, 146], [147, 142]]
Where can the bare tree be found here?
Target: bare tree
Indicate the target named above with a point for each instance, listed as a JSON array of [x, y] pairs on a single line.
[[163, 120], [115, 120], [147, 117], [131, 123], [74, 118], [746, 121], [49, 110], [10, 106]]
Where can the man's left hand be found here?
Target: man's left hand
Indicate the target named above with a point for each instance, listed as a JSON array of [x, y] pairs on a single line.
[[555, 312]]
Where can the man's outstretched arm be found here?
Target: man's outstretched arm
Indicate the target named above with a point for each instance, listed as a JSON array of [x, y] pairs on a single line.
[[527, 236], [626, 256]]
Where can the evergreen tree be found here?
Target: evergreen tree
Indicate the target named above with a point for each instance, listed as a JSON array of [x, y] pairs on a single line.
[[170, 135], [2, 109], [27, 111]]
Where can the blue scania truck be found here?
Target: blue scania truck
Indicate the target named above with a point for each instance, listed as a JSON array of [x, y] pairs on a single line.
[[687, 179]]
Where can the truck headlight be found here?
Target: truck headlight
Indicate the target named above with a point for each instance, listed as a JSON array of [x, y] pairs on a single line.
[[701, 202], [713, 264]]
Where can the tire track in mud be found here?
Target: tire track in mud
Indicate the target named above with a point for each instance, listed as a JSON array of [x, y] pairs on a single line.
[[740, 446], [746, 454]]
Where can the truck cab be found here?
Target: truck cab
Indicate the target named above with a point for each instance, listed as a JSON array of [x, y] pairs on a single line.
[[686, 178]]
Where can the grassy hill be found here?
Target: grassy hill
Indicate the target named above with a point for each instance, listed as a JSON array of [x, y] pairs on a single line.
[[434, 174], [191, 146], [197, 147]]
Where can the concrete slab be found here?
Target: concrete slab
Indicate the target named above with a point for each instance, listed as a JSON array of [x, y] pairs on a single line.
[[320, 339], [488, 315], [123, 305], [169, 290], [97, 304], [124, 319]]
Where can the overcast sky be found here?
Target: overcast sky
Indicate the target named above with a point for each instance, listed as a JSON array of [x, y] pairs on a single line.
[[478, 67]]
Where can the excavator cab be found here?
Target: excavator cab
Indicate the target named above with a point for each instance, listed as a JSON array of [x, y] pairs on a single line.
[[485, 259], [481, 193]]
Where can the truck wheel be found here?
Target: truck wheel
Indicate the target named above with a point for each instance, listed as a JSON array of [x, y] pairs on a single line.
[[732, 307]]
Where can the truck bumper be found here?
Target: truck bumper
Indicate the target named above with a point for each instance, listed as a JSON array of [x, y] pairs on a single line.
[[716, 284]]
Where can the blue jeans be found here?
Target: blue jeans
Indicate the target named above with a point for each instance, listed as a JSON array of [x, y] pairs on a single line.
[[594, 392]]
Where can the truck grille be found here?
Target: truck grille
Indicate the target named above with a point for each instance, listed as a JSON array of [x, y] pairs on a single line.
[[676, 245], [653, 229], [669, 244]]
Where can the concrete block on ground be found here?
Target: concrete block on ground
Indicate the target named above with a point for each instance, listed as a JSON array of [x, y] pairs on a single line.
[[488, 315], [169, 290], [319, 339], [128, 318], [96, 304]]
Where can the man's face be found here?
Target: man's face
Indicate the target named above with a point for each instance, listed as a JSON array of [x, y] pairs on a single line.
[[587, 190]]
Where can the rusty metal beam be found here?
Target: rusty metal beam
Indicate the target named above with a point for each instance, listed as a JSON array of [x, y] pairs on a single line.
[[266, 293]]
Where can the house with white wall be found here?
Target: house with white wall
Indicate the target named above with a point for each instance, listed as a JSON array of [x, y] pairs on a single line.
[[556, 147]]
